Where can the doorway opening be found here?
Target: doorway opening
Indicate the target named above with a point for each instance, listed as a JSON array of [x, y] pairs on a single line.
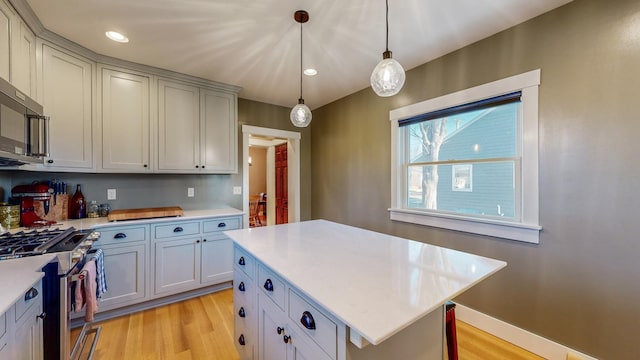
[[276, 182]]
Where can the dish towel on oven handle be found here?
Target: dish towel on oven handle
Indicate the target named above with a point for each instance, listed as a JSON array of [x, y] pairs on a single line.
[[101, 277], [85, 291]]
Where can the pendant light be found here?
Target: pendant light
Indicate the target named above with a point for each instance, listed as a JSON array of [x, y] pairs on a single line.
[[301, 114], [387, 77]]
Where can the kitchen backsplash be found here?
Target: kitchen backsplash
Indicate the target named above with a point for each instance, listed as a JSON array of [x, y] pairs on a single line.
[[139, 190]]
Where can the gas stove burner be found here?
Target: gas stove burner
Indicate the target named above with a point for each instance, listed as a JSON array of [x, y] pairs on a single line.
[[28, 243]]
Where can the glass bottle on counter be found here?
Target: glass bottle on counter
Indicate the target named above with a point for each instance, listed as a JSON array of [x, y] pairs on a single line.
[[77, 205]]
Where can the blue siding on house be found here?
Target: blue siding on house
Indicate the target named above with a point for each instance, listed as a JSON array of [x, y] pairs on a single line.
[[492, 183]]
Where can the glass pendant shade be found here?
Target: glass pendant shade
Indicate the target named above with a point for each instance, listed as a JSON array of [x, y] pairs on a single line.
[[387, 77], [300, 114]]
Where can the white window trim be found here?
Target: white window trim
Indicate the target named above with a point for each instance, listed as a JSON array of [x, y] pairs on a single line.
[[528, 229]]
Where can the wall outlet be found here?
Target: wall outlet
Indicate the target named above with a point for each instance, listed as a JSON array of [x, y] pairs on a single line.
[[111, 194], [190, 192], [237, 190]]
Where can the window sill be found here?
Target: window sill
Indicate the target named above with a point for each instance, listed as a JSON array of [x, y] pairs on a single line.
[[501, 229]]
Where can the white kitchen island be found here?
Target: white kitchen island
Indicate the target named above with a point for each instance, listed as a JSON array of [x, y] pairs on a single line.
[[322, 290]]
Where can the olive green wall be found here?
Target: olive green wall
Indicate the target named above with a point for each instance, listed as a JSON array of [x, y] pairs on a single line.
[[579, 286], [150, 190]]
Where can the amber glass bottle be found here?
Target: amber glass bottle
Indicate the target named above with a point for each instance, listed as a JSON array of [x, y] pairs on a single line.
[[77, 205]]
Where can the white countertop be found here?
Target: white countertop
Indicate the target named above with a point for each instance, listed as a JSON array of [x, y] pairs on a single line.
[[18, 276], [374, 283]]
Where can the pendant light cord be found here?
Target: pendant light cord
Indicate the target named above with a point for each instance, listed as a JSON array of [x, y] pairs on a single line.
[[387, 22], [301, 61]]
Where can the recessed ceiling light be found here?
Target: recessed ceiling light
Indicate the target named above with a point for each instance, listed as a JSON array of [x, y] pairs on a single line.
[[116, 36], [310, 72]]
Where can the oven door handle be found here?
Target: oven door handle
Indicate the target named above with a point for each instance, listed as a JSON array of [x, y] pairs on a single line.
[[78, 347]]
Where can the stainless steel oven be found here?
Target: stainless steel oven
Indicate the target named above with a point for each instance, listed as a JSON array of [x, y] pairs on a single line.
[[71, 247]]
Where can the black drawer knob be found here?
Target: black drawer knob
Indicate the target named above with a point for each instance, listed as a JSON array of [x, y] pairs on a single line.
[[241, 339], [286, 339], [241, 261], [268, 285], [49, 161], [241, 286], [307, 321], [241, 312], [280, 330]]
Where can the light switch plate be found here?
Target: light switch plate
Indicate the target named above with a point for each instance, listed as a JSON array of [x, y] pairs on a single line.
[[190, 192], [237, 190], [111, 194]]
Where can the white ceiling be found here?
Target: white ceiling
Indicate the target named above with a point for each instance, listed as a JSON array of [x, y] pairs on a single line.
[[256, 44]]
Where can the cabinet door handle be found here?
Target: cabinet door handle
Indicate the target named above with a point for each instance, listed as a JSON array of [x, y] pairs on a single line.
[[268, 285], [178, 229], [32, 293], [119, 236], [286, 339], [241, 339], [42, 315], [204, 240], [241, 312], [241, 286], [280, 330], [221, 225], [307, 321], [145, 165], [197, 241], [241, 261], [197, 166], [49, 161]]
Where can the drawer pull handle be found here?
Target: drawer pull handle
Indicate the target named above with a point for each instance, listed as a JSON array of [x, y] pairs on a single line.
[[221, 225], [42, 315], [241, 339], [241, 286], [241, 312], [119, 236], [178, 229], [32, 293], [280, 330], [268, 285], [241, 261], [286, 339], [307, 321]]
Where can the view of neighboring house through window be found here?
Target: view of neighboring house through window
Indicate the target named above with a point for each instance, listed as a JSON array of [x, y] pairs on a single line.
[[468, 160], [465, 162]]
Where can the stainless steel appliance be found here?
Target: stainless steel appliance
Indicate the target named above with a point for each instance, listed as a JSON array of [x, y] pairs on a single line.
[[71, 247], [24, 131]]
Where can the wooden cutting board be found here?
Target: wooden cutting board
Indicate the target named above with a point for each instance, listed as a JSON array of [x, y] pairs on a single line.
[[144, 213]]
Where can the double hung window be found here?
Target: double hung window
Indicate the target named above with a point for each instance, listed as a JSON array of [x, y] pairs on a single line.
[[468, 161]]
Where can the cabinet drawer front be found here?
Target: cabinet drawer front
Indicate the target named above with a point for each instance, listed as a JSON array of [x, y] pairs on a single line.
[[3, 325], [271, 285], [242, 260], [176, 229], [120, 235], [221, 224], [243, 289], [244, 317], [325, 331], [244, 341], [23, 304]]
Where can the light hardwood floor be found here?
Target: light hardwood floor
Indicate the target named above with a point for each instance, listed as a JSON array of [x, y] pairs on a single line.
[[202, 328]]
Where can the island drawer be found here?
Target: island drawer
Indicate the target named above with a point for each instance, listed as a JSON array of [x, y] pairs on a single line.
[[271, 285], [176, 229], [28, 299], [313, 323], [221, 224], [244, 261], [3, 326], [243, 289], [119, 235]]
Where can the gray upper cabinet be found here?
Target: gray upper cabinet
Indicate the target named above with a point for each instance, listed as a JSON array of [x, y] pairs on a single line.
[[125, 120], [197, 129], [23, 59], [65, 82], [6, 20]]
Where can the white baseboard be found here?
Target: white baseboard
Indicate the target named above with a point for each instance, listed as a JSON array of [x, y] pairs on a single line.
[[517, 336]]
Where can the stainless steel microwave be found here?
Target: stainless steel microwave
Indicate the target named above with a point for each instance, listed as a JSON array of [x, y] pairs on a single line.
[[24, 131]]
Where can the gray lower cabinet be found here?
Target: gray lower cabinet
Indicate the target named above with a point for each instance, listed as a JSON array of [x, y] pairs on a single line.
[[216, 266], [22, 327], [177, 265], [125, 268]]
